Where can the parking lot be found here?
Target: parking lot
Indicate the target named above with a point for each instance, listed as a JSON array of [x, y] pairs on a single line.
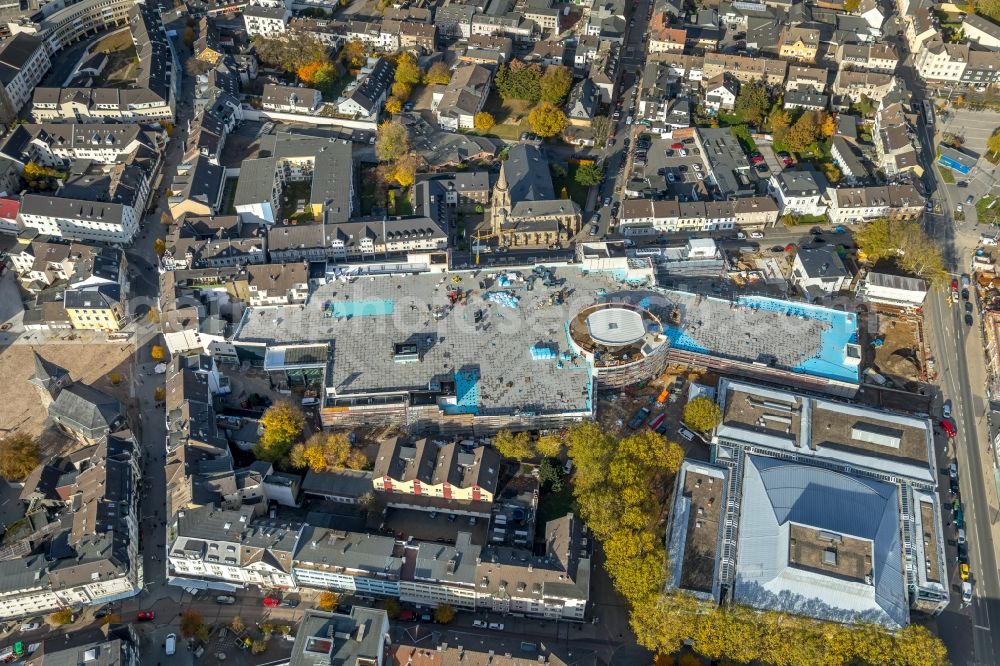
[[667, 167]]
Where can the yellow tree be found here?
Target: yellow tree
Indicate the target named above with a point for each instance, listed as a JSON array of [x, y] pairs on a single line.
[[327, 601], [547, 120], [405, 171], [401, 91], [393, 105], [407, 69], [438, 73], [829, 125], [549, 446], [513, 445], [483, 121], [444, 614], [283, 424], [702, 414]]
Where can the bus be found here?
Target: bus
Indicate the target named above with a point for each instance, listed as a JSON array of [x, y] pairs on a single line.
[[928, 113]]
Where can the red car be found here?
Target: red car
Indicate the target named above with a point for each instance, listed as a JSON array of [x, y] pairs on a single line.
[[407, 616], [954, 285], [677, 146], [271, 602], [948, 428], [145, 616], [759, 159]]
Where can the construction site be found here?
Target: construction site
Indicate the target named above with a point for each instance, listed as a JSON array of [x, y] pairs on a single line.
[[897, 355]]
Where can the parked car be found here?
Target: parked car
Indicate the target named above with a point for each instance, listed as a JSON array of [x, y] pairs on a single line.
[[953, 485], [756, 235], [948, 427], [289, 603], [479, 623], [225, 600], [946, 412], [965, 294], [145, 616], [677, 146], [271, 602], [969, 199], [966, 592], [963, 571], [407, 616], [30, 626], [170, 644], [968, 319], [426, 617], [496, 626]]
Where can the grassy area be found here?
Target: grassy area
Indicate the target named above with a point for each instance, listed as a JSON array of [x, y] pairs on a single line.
[[119, 41], [511, 117], [291, 197], [988, 210], [946, 175], [575, 190], [791, 220], [399, 203], [552, 505], [229, 196], [369, 191], [742, 135]]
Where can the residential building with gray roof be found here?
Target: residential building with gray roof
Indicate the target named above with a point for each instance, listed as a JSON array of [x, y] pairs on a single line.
[[358, 637]]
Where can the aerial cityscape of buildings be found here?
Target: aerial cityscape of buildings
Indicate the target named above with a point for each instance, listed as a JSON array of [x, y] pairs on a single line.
[[301, 297]]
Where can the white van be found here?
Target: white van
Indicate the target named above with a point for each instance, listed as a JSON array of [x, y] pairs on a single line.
[[170, 645], [966, 592]]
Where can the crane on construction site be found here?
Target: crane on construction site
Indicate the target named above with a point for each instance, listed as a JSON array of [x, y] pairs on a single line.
[[480, 237]]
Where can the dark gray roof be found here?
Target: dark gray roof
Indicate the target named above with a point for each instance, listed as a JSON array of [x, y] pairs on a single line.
[[256, 181], [331, 639], [527, 174], [86, 410], [15, 54], [822, 262], [202, 182], [357, 551]]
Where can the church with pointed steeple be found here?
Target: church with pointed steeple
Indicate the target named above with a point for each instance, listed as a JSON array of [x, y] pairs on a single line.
[[81, 411], [525, 211]]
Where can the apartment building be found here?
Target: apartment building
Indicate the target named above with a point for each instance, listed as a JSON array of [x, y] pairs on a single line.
[[213, 242], [273, 284], [799, 43], [59, 144], [266, 21], [457, 104], [359, 637], [745, 69], [231, 549], [797, 193], [363, 99], [938, 61], [96, 308], [855, 85], [449, 472], [97, 203], [24, 61], [152, 97], [348, 562], [88, 554], [291, 99], [197, 188], [981, 30]]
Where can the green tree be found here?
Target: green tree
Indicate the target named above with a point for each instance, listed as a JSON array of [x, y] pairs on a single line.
[[905, 242], [290, 51], [483, 121], [438, 73], [589, 175], [702, 414], [283, 423], [851, 6], [554, 84], [391, 607], [752, 103], [18, 455], [518, 80], [407, 70], [444, 614], [547, 120], [550, 474], [392, 141], [513, 445]]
